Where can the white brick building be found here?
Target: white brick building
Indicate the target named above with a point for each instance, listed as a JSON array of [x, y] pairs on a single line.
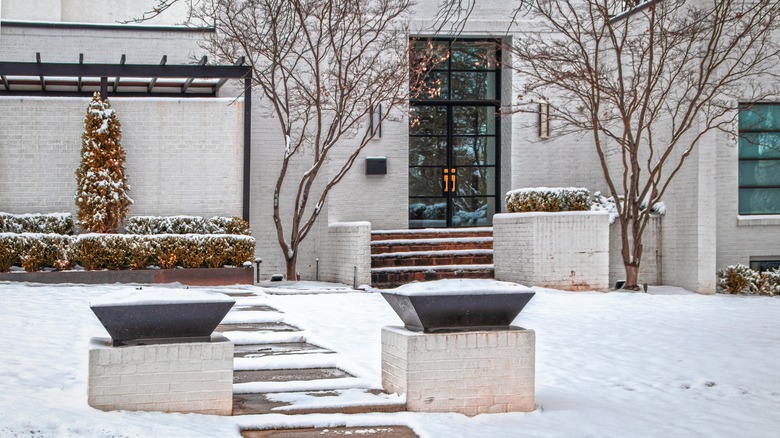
[[185, 155]]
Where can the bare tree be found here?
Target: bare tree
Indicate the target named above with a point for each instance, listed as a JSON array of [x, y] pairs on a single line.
[[648, 83], [324, 67]]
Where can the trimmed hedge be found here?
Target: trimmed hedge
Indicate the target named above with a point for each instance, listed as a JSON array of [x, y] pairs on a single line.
[[123, 251], [186, 225], [543, 199], [740, 279], [54, 223]]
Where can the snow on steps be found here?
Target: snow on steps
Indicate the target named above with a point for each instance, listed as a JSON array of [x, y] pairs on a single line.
[[403, 256], [276, 371]]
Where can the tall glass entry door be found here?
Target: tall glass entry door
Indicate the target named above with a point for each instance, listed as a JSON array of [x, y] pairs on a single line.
[[454, 135]]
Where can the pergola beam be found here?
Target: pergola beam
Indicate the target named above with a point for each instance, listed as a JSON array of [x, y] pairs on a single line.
[[239, 62], [189, 80], [154, 80], [116, 79], [38, 61]]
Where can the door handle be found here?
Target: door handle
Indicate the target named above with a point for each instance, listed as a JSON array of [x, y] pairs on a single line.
[[447, 173]]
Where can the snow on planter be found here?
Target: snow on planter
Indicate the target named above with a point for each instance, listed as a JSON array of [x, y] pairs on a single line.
[[458, 304], [159, 315]]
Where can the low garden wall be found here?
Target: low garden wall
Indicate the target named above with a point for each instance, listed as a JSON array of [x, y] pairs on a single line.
[[348, 255], [563, 250]]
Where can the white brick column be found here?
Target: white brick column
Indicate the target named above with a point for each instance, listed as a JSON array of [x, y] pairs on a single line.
[[195, 377], [470, 372], [349, 247]]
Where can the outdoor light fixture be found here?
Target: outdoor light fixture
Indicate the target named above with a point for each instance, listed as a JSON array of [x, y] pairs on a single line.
[[376, 121], [544, 119]]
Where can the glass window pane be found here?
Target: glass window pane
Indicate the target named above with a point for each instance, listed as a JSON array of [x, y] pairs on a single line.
[[474, 55], [759, 201], [427, 151], [433, 85], [427, 213], [473, 212], [476, 181], [759, 145], [762, 173], [474, 151], [428, 120], [474, 85], [429, 55], [479, 120], [760, 117], [425, 181]]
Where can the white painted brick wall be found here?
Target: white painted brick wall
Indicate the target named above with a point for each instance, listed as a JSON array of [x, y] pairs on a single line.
[[650, 267], [565, 250], [466, 372], [192, 377], [349, 246], [184, 156]]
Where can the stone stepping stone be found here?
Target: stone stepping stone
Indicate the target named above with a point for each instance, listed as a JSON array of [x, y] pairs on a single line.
[[356, 401], [372, 432], [254, 309], [288, 375], [262, 350], [257, 327]]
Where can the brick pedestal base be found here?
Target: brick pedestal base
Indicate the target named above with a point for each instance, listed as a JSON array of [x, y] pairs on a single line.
[[194, 377], [466, 372]]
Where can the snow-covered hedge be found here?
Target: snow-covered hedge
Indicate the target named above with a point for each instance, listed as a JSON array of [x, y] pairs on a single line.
[[186, 225], [740, 279], [55, 223], [544, 199], [122, 251], [603, 203], [423, 211]]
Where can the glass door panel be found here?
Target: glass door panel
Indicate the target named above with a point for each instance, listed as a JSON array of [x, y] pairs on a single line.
[[473, 211]]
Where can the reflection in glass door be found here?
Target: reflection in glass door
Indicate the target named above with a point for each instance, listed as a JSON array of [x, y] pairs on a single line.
[[453, 135]]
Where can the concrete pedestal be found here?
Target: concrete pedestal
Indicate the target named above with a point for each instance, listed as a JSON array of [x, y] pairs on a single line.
[[471, 372], [194, 377]]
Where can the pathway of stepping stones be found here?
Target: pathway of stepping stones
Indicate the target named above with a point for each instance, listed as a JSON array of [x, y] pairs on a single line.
[[276, 370]]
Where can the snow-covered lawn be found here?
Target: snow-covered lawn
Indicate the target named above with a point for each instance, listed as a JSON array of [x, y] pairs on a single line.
[[663, 364]]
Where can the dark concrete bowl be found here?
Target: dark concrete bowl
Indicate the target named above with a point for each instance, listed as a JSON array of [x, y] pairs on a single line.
[[137, 323], [454, 306]]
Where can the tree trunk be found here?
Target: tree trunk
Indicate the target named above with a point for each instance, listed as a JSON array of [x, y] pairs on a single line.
[[292, 267], [632, 276]]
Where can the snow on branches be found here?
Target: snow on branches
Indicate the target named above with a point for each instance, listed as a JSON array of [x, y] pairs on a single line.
[[101, 193]]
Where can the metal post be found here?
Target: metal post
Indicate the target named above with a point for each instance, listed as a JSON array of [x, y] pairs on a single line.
[[317, 271], [354, 278]]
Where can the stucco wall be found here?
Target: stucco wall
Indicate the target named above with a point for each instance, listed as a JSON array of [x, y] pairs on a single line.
[[89, 11]]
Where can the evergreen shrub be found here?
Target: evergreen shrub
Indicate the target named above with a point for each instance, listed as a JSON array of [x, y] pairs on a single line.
[[101, 185], [740, 279], [186, 225], [34, 252], [54, 223], [543, 199]]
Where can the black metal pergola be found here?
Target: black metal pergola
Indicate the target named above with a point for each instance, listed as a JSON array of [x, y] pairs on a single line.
[[132, 80]]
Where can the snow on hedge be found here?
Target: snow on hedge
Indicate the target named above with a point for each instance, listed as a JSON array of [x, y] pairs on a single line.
[[186, 225], [56, 223], [548, 199]]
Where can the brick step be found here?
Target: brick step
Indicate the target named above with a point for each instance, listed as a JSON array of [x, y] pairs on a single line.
[[433, 258], [431, 233], [369, 432], [343, 401], [406, 245], [384, 278]]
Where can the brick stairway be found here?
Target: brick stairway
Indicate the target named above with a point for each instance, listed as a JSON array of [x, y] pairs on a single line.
[[403, 256]]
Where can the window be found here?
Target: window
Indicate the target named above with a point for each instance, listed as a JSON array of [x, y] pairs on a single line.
[[764, 265], [759, 159]]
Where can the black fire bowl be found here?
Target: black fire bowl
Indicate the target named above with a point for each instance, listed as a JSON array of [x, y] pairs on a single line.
[[150, 321], [458, 304]]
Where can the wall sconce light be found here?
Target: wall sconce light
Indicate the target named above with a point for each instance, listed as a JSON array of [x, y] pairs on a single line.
[[544, 119], [376, 121]]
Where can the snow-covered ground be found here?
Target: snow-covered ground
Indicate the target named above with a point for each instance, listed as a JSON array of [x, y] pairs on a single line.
[[664, 364]]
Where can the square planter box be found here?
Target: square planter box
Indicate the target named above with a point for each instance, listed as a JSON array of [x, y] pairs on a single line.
[[562, 250]]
